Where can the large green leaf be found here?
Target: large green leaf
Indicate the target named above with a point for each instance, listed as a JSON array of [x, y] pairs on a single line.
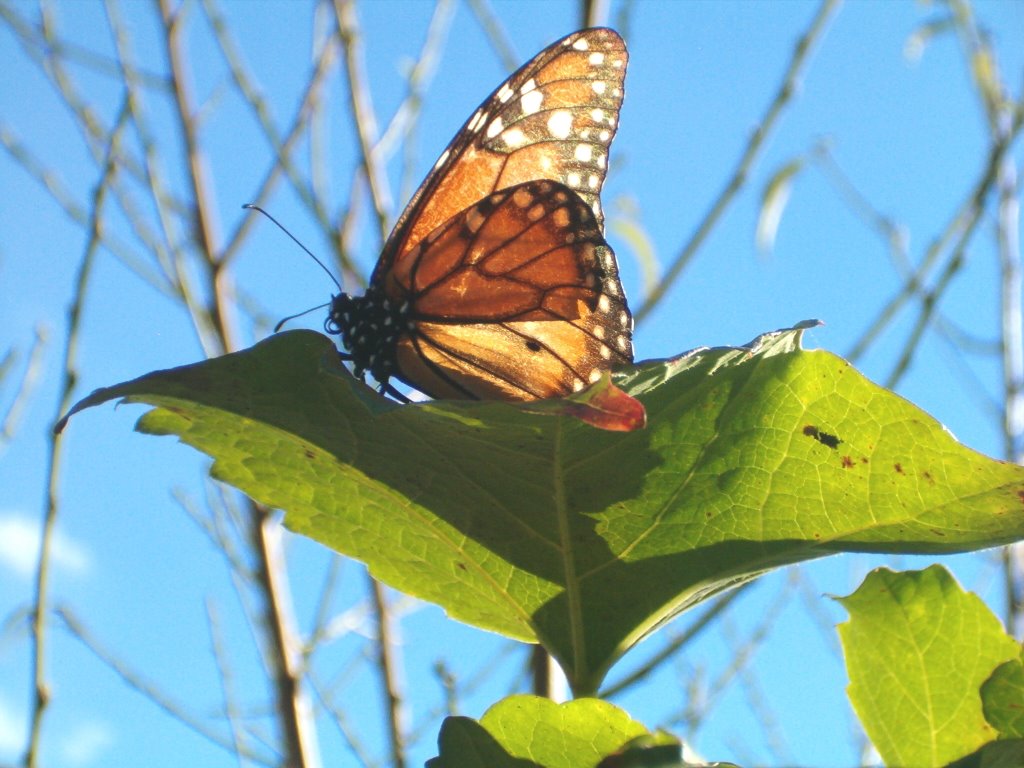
[[918, 649], [545, 529]]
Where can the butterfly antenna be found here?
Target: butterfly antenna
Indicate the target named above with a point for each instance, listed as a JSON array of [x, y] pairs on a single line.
[[299, 314], [254, 207]]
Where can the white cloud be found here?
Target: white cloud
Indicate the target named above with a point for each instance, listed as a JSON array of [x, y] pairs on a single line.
[[19, 547], [85, 743], [80, 746], [13, 731]]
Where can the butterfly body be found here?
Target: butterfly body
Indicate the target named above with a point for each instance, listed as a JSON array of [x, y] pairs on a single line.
[[496, 282]]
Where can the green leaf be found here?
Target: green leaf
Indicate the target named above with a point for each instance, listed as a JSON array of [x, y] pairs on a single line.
[[1002, 696], [918, 649], [547, 530], [525, 731], [995, 754], [773, 204]]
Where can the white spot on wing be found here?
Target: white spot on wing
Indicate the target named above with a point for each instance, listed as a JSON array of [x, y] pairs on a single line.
[[599, 86], [528, 86], [583, 152], [478, 119], [441, 159], [604, 304], [514, 137], [504, 94], [581, 44], [560, 124], [596, 59], [497, 126], [531, 101], [572, 179]]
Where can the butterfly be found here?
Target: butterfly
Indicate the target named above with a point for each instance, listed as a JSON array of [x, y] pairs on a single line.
[[496, 282]]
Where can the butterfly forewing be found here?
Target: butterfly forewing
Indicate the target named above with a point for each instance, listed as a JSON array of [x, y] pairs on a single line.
[[553, 119]]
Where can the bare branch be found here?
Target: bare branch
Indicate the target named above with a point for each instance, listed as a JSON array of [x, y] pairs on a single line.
[[23, 389], [150, 691], [70, 375], [386, 664], [363, 116], [747, 159]]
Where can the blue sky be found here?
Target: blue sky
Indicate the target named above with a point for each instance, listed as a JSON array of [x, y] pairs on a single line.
[[906, 130]]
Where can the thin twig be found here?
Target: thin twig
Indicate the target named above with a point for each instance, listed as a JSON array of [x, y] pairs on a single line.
[[495, 32], [152, 692], [70, 375], [49, 180], [363, 117], [388, 674], [197, 172], [349, 734], [91, 127], [716, 610], [281, 145], [73, 53], [954, 237], [403, 123], [168, 250], [231, 714], [747, 159], [23, 389]]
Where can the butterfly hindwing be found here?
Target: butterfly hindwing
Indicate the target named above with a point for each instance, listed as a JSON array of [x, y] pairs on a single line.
[[516, 297]]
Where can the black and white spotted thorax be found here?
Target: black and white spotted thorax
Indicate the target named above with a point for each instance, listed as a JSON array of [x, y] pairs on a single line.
[[370, 327]]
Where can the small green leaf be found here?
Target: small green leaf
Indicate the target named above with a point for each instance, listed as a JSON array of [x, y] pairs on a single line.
[[547, 530], [773, 204], [1003, 698], [918, 649], [995, 754], [525, 731]]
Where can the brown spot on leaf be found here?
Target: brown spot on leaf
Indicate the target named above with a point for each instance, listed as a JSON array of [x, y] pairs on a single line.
[[937, 532], [847, 462], [1020, 495], [824, 438], [898, 467]]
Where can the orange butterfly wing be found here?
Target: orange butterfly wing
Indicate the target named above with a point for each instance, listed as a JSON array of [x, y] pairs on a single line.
[[516, 298], [554, 118], [496, 281]]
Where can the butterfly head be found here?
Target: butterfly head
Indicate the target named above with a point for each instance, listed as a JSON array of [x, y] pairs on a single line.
[[370, 327]]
